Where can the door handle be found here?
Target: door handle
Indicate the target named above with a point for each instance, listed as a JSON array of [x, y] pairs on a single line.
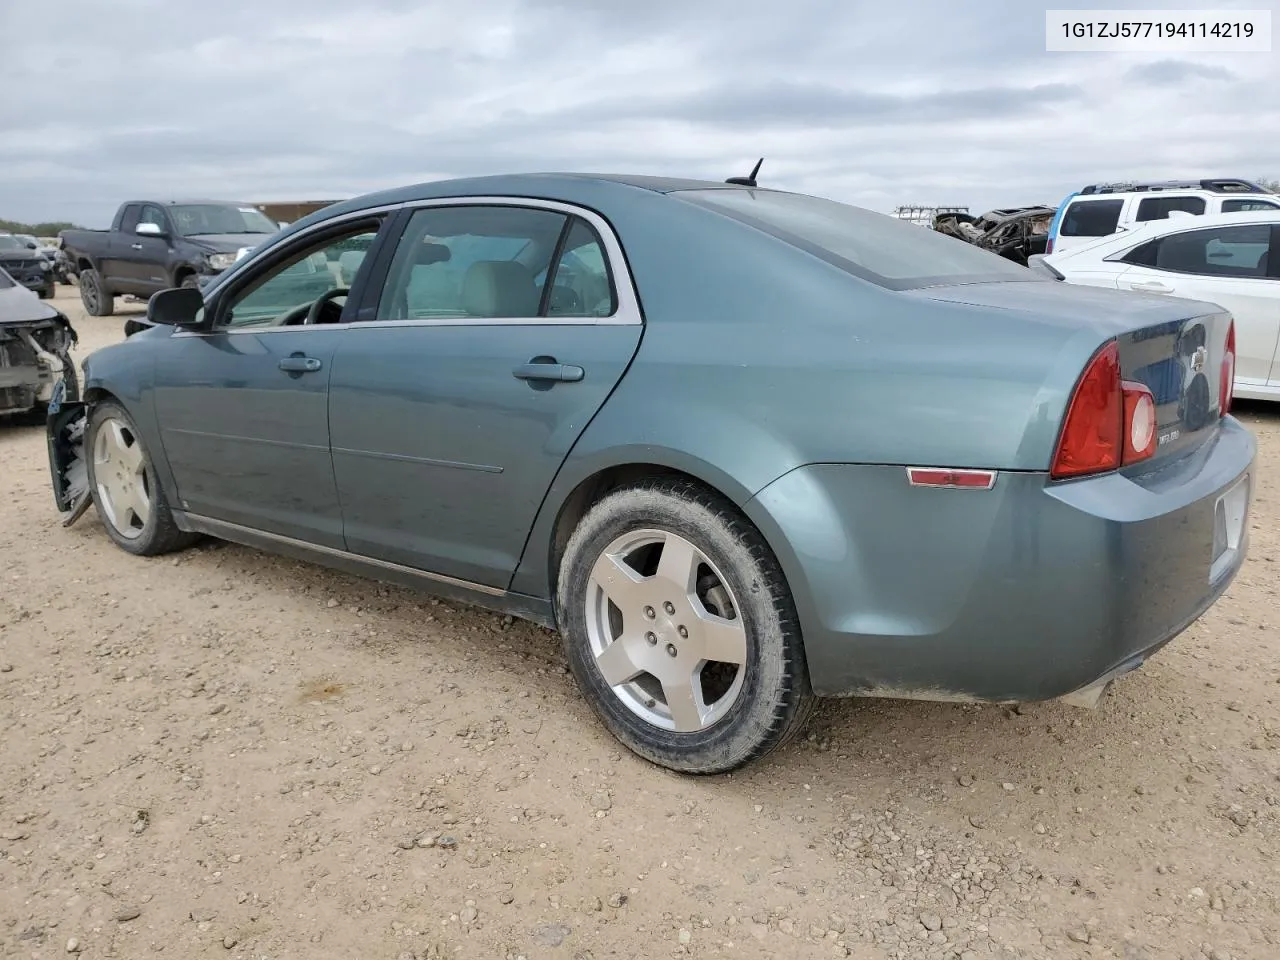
[[548, 369], [1150, 286], [136, 246], [297, 363]]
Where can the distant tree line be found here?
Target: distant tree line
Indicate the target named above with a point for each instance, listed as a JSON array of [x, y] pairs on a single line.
[[36, 229], [1271, 186]]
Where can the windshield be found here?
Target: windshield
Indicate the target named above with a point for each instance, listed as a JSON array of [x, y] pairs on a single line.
[[11, 243], [198, 219], [874, 246]]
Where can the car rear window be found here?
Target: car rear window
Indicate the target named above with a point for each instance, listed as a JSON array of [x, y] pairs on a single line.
[[6, 281], [874, 246], [1091, 218]]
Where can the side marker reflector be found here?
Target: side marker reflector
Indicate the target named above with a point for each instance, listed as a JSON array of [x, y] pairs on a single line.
[[956, 478]]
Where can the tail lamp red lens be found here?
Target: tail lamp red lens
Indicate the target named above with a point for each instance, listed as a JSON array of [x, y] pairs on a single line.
[[1227, 382], [1110, 422]]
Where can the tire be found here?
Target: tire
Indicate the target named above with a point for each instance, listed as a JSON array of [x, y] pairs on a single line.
[[144, 537], [773, 697], [93, 294], [190, 281]]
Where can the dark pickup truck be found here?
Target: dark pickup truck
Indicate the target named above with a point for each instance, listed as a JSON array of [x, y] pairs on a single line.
[[153, 245]]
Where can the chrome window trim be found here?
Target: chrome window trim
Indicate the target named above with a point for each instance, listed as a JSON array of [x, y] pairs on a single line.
[[239, 267], [628, 311]]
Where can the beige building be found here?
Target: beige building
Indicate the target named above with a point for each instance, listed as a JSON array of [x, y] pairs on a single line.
[[291, 210]]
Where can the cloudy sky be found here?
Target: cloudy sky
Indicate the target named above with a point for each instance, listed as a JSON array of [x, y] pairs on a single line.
[[924, 101]]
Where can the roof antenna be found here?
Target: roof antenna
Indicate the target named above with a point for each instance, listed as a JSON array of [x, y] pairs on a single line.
[[749, 181]]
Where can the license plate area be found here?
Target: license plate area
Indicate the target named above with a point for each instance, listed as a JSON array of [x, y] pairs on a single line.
[[1230, 514]]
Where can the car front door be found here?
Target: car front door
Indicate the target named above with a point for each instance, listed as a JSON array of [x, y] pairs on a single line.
[[1226, 265], [145, 256], [474, 365], [243, 405], [114, 265]]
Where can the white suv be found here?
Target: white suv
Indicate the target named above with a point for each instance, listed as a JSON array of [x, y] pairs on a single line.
[[1102, 209]]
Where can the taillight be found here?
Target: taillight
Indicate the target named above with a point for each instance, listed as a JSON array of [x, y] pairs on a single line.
[[1110, 422], [1048, 247], [1140, 422], [1227, 381]]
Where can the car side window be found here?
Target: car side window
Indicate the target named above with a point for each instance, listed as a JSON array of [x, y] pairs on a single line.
[[1091, 218], [1159, 208], [1215, 251], [284, 292], [130, 219], [581, 285], [1244, 206], [152, 214], [471, 262]]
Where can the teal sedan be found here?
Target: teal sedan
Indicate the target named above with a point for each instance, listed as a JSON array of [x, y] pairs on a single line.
[[743, 448]]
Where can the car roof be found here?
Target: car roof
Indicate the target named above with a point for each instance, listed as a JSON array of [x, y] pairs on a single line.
[[1224, 185], [578, 188]]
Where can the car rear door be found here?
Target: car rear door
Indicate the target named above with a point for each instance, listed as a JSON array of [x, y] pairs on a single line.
[[497, 331], [1226, 265]]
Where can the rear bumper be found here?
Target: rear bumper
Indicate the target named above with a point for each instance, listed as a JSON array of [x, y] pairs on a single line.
[[1027, 591]]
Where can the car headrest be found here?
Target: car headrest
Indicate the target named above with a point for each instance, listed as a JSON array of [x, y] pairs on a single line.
[[499, 288], [429, 253]]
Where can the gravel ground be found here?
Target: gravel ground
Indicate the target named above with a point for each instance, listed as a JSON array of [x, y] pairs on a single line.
[[227, 754]]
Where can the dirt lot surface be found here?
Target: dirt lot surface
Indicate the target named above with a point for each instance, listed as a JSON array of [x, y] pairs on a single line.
[[225, 754]]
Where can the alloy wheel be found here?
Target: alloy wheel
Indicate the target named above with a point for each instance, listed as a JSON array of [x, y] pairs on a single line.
[[665, 631]]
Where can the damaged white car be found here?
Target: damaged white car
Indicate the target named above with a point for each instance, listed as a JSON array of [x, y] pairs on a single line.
[[35, 352]]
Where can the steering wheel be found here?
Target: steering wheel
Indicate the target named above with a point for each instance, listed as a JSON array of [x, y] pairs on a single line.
[[326, 299]]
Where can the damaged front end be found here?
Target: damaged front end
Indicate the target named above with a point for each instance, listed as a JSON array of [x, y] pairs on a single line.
[[64, 432], [35, 352]]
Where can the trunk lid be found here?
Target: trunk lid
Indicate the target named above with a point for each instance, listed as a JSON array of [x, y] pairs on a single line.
[[1180, 362], [1175, 347]]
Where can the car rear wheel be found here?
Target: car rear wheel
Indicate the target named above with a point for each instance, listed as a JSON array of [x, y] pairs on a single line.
[[126, 493], [94, 296], [680, 630]]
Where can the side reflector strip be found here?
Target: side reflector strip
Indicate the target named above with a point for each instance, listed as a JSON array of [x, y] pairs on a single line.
[[956, 478]]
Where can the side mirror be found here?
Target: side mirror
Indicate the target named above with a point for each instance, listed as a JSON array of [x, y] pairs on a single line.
[[148, 230], [176, 307], [33, 246]]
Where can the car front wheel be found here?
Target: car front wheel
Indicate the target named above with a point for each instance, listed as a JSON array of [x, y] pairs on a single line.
[[126, 493], [680, 630]]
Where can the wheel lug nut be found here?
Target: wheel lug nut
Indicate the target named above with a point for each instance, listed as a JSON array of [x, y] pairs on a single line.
[[684, 633], [669, 607], [671, 649], [652, 638], [648, 612]]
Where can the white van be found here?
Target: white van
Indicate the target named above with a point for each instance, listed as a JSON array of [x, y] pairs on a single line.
[[1102, 209]]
